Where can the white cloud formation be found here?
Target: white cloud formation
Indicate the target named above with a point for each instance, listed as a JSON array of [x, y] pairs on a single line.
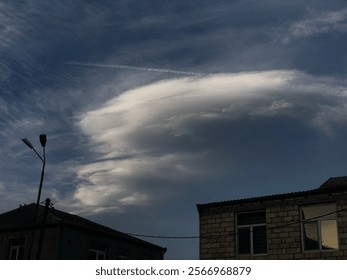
[[318, 23], [155, 139]]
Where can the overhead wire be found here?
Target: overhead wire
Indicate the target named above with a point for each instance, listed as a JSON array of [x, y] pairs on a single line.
[[227, 233]]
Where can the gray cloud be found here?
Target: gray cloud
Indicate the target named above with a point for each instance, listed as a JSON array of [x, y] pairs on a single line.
[[318, 23], [128, 147], [176, 131]]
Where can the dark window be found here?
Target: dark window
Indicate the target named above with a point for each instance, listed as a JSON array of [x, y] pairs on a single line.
[[251, 233], [16, 248], [122, 254], [319, 227], [97, 251], [259, 240], [251, 218], [244, 240]]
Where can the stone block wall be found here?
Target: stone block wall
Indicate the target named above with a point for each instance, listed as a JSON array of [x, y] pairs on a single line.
[[216, 235], [284, 233]]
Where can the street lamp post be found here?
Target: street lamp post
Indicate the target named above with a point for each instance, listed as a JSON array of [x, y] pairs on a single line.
[[43, 141]]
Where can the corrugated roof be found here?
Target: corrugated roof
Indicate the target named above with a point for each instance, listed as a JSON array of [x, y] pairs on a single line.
[[331, 185]]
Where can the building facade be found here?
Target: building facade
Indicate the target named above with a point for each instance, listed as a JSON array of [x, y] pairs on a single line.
[[302, 225], [58, 235]]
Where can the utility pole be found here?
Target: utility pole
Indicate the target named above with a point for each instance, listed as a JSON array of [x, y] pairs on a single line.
[[43, 141], [43, 228]]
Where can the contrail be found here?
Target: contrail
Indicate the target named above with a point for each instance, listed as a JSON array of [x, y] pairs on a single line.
[[117, 66]]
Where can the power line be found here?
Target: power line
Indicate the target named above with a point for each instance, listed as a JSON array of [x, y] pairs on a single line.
[[163, 237], [217, 235]]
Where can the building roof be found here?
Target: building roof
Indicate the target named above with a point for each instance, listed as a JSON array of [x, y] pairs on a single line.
[[333, 184], [23, 218]]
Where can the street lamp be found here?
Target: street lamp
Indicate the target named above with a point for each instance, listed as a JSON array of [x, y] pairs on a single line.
[[43, 141]]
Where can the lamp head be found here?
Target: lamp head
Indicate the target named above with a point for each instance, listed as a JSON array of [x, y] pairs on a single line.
[[43, 140], [27, 142]]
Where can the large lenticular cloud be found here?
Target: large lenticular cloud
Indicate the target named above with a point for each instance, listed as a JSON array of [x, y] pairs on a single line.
[[154, 140]]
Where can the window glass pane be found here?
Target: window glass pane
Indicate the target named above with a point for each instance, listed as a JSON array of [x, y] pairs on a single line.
[[13, 254], [244, 241], [16, 250], [17, 241], [319, 212], [97, 246], [251, 218], [122, 254], [101, 256], [20, 253], [311, 241], [259, 240], [329, 235], [92, 255]]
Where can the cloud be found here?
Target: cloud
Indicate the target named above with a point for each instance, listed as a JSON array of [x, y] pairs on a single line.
[[117, 66], [162, 139], [12, 25], [319, 23]]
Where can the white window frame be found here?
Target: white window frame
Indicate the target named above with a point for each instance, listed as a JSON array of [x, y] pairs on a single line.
[[122, 254], [16, 248], [317, 221], [251, 227], [99, 253]]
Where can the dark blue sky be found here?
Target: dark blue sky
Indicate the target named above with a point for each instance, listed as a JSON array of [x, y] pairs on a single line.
[[135, 141]]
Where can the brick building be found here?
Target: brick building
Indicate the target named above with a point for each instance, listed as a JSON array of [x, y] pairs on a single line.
[[67, 237], [301, 225]]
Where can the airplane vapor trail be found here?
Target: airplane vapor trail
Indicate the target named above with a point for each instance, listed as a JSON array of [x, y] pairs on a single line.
[[117, 66]]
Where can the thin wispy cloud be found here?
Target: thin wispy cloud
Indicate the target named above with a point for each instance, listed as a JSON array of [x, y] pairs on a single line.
[[128, 67], [318, 23]]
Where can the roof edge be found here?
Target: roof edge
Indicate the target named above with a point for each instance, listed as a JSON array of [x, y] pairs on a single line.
[[324, 188]]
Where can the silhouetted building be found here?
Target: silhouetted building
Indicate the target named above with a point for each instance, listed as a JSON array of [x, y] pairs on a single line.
[[66, 237], [300, 225]]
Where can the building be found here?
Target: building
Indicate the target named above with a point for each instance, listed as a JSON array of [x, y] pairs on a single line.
[[62, 236], [300, 225]]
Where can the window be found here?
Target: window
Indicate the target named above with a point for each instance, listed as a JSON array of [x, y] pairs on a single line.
[[319, 227], [122, 254], [96, 255], [251, 233], [97, 251], [16, 248]]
